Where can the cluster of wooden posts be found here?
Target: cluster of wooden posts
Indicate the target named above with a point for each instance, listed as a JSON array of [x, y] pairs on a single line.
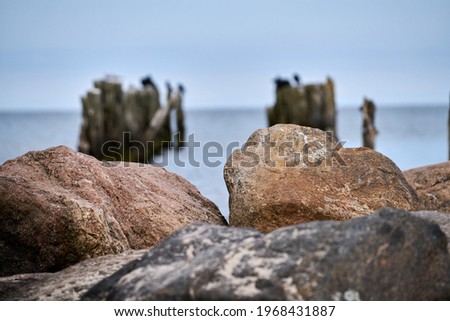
[[314, 105], [129, 125], [311, 105]]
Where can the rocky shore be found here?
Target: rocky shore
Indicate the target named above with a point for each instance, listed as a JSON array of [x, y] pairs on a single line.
[[309, 220]]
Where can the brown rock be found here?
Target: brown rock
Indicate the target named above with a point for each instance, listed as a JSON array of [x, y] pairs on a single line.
[[59, 207], [289, 174], [432, 184]]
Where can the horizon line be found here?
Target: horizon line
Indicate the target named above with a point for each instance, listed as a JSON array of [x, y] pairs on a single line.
[[224, 107]]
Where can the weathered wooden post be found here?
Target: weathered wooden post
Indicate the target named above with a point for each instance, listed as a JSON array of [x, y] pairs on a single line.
[[369, 130], [330, 106], [92, 130], [111, 95], [180, 116]]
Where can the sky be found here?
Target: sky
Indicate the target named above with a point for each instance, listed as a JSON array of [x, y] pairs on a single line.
[[226, 53]]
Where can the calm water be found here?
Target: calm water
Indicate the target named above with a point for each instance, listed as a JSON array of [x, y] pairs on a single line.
[[411, 137]]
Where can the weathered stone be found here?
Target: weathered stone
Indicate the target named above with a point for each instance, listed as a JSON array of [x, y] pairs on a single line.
[[10, 285], [68, 284], [432, 184], [442, 219], [288, 174], [390, 255], [58, 207]]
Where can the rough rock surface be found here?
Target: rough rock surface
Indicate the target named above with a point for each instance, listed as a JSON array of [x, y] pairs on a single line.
[[432, 184], [58, 207], [442, 219], [68, 284], [289, 174], [391, 255], [9, 285]]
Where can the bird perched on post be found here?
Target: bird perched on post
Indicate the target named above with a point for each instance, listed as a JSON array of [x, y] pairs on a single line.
[[297, 80]]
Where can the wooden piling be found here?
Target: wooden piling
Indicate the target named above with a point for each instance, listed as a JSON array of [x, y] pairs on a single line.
[[369, 131]]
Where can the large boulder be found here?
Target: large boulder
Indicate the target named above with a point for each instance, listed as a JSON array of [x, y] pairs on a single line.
[[432, 184], [59, 207], [68, 284], [289, 174], [391, 255]]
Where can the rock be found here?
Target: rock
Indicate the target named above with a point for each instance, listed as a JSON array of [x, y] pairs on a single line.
[[288, 174], [9, 285], [442, 219], [58, 207], [68, 284], [390, 255], [432, 184]]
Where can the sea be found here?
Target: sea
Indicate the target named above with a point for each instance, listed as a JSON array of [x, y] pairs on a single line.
[[410, 136]]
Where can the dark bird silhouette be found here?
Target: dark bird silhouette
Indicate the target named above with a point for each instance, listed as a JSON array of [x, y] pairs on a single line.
[[181, 88], [282, 83], [147, 81], [297, 79]]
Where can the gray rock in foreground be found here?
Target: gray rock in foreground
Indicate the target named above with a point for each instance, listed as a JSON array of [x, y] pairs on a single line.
[[68, 284], [442, 219], [391, 255], [11, 285]]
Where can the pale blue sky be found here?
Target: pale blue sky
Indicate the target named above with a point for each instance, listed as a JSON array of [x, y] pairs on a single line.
[[226, 53]]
